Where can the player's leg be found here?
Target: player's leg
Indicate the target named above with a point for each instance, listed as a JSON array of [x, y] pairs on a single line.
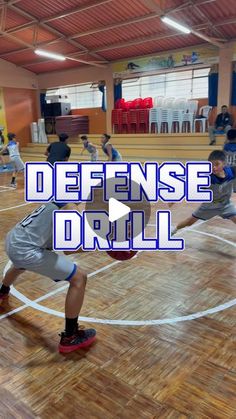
[[212, 136], [61, 268], [13, 179], [75, 337], [10, 274]]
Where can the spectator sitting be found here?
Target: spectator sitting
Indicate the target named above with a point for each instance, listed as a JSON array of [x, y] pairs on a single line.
[[223, 124], [230, 146]]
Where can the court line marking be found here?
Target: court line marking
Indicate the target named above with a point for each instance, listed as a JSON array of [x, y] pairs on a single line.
[[5, 187], [34, 304], [28, 302], [16, 206], [7, 190]]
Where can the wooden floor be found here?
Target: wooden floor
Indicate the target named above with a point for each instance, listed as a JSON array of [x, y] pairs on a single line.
[[171, 369]]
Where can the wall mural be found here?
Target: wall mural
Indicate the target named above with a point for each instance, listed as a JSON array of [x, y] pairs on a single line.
[[182, 58]]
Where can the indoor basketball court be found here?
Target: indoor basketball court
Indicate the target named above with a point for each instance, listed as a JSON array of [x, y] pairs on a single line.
[[148, 83], [165, 326]]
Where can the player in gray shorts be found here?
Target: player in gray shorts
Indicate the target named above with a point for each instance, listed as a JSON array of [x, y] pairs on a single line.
[[14, 155], [29, 247], [223, 180]]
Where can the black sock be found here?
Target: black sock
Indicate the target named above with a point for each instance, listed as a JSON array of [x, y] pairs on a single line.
[[71, 326], [13, 179], [4, 289]]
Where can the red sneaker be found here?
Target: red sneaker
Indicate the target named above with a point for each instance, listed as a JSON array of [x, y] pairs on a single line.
[[80, 339]]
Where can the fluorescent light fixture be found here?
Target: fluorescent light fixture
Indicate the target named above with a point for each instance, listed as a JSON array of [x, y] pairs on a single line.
[[50, 55], [175, 25]]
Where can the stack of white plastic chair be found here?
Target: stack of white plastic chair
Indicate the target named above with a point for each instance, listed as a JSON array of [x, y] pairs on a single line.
[[176, 120], [34, 132], [168, 103], [189, 115], [158, 101], [154, 119], [165, 119], [42, 133], [204, 111]]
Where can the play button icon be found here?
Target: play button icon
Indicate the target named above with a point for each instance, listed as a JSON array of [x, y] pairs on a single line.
[[117, 210]]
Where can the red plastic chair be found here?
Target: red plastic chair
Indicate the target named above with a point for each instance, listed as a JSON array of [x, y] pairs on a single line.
[[128, 105], [137, 103], [143, 120], [124, 122], [120, 104], [133, 120], [147, 103], [116, 120]]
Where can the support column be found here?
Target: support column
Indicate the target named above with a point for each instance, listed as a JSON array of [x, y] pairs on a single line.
[[225, 75], [110, 99]]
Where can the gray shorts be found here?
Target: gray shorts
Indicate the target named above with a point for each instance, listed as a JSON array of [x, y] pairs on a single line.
[[42, 261], [17, 164], [226, 211], [94, 156]]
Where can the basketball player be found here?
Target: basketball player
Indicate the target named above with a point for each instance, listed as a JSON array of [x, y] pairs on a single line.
[[109, 150], [59, 150], [14, 155], [223, 179], [2, 140], [29, 247], [90, 148]]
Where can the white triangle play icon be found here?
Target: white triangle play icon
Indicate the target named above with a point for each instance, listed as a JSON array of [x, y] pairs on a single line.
[[117, 210]]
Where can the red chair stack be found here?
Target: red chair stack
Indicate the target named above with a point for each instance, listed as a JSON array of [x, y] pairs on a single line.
[[131, 116]]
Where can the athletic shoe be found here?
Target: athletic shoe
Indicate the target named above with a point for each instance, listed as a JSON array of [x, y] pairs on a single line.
[[4, 167], [13, 185], [5, 295], [80, 339]]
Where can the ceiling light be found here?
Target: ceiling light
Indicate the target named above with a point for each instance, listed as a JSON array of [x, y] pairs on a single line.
[[50, 55], [175, 25]]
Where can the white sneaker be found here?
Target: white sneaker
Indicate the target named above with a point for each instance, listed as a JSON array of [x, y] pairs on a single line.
[[7, 267], [173, 230]]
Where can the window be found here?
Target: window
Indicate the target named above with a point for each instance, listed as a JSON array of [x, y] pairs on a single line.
[[189, 84], [79, 96]]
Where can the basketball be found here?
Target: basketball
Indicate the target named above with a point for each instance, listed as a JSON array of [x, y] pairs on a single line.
[[121, 255]]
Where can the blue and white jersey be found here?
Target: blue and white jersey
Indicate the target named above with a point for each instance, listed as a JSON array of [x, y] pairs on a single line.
[[115, 153], [13, 149], [222, 188]]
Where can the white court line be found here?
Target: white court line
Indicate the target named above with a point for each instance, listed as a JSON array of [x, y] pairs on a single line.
[[5, 187], [16, 206], [28, 302], [8, 190], [33, 304]]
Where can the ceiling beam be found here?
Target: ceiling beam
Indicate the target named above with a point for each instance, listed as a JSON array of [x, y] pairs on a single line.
[[210, 23], [54, 31], [80, 9], [136, 41], [106, 27]]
